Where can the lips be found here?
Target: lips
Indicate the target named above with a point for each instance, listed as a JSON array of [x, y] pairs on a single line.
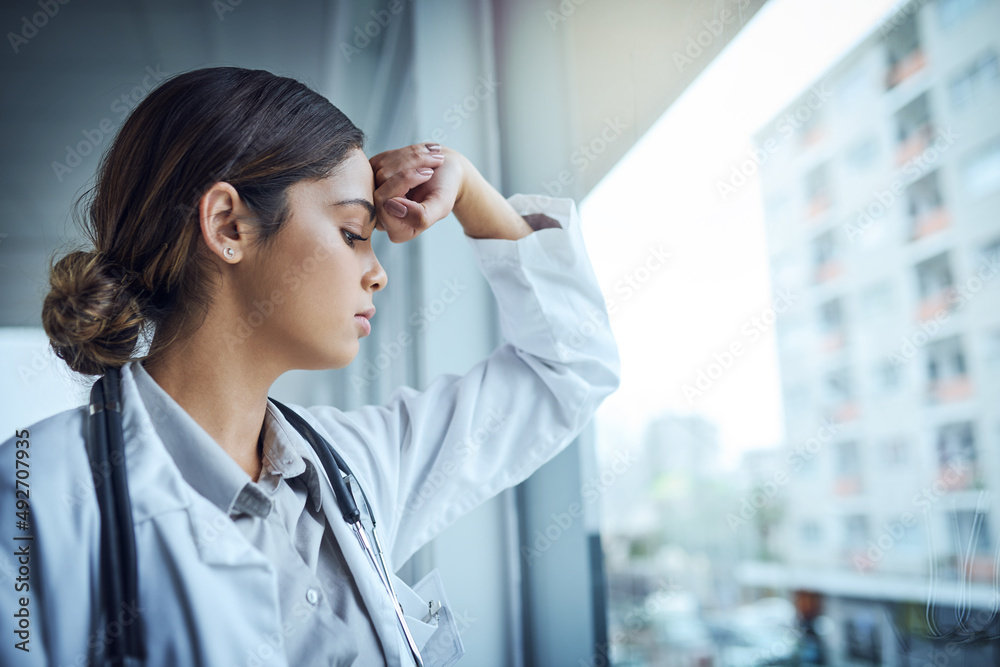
[[367, 314]]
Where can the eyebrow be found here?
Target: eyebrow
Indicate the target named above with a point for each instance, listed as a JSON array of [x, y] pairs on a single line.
[[359, 202]]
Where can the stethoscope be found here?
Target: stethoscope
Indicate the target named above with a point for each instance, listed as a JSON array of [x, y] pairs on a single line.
[[119, 580]]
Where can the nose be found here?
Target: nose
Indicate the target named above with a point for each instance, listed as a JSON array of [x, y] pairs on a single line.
[[376, 277]]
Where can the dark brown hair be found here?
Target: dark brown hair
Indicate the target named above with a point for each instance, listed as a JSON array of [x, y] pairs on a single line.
[[148, 271]]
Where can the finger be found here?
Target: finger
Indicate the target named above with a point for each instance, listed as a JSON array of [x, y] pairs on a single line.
[[387, 168], [399, 184], [407, 226]]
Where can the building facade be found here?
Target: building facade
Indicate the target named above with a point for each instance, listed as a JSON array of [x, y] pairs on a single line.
[[881, 186]]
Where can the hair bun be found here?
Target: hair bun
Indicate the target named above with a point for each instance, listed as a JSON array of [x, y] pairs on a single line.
[[92, 319]]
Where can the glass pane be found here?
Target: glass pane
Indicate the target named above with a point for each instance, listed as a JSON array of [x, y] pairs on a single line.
[[811, 381]]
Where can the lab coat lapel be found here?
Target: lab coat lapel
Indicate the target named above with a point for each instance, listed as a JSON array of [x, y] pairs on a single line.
[[374, 594]]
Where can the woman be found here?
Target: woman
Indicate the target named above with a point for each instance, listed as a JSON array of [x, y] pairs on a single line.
[[231, 224]]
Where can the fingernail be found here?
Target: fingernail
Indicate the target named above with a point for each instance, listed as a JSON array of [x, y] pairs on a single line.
[[425, 171], [395, 208], [433, 148]]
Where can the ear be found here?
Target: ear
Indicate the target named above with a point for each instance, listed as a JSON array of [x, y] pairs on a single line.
[[224, 227]]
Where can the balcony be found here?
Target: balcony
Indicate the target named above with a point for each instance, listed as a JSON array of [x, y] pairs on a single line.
[[930, 222], [847, 485], [832, 341], [817, 206], [914, 144], [950, 390], [828, 270], [936, 305], [845, 412], [906, 67]]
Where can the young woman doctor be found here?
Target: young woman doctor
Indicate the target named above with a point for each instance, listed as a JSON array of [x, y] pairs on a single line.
[[232, 224]]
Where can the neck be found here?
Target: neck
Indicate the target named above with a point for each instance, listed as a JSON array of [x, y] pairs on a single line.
[[221, 385]]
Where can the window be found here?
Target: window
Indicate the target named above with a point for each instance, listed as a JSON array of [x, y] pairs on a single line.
[[945, 359], [809, 533], [951, 12], [970, 532], [855, 532], [895, 453], [934, 276], [887, 377], [848, 461], [957, 456], [975, 81], [981, 172], [903, 53], [831, 315]]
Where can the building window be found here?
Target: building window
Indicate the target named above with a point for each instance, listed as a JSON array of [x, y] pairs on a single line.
[[969, 532], [847, 469], [895, 453], [862, 636], [818, 195], [950, 12], [856, 532], [831, 324], [925, 207], [975, 80], [903, 52], [956, 452], [887, 377], [809, 533], [981, 172], [826, 260], [934, 286], [914, 129]]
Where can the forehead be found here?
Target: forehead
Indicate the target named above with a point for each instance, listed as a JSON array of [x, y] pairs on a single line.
[[350, 186]]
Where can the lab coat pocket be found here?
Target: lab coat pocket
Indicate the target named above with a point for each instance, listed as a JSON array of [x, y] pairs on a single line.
[[430, 619]]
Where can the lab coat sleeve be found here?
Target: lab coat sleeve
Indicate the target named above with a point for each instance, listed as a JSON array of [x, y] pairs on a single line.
[[433, 455]]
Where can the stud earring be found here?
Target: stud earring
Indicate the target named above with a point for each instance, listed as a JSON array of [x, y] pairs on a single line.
[[229, 253]]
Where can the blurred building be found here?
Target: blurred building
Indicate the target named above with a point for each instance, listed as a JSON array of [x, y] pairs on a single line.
[[881, 187]]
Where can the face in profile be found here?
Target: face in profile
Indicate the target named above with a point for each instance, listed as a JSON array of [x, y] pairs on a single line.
[[320, 272]]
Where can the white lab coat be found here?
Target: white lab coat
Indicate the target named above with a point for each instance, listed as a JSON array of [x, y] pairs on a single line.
[[207, 597]]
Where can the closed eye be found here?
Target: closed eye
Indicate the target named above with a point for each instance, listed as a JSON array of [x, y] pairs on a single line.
[[351, 238]]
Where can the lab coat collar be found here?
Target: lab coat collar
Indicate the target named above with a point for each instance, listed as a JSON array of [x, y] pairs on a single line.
[[211, 471]]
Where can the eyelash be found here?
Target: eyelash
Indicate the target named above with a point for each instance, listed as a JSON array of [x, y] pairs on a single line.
[[351, 238]]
